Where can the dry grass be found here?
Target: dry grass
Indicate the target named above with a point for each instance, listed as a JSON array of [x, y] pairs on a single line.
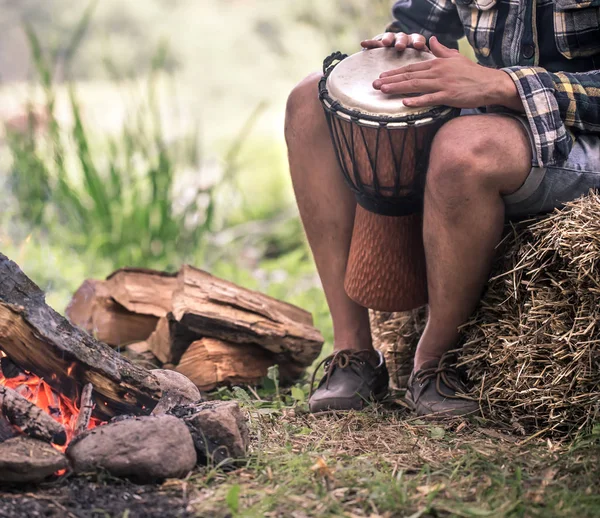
[[383, 463], [533, 346]]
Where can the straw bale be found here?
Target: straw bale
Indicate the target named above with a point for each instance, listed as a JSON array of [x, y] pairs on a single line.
[[396, 335], [532, 348]]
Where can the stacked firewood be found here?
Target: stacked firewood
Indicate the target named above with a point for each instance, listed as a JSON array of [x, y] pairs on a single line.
[[210, 330]]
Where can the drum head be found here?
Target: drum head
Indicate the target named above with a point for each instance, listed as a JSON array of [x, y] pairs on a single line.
[[351, 82]]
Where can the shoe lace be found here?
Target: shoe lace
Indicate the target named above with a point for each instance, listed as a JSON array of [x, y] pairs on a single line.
[[445, 372], [341, 359]]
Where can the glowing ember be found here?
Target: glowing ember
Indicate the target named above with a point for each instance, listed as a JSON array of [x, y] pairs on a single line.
[[38, 392]]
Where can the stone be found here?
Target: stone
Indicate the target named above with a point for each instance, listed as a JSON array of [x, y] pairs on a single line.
[[143, 449], [27, 460], [177, 389], [219, 429]]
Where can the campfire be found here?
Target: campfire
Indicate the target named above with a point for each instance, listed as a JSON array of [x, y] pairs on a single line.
[[74, 418], [71, 402]]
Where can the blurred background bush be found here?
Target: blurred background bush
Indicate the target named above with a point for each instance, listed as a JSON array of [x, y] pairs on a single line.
[[150, 133]]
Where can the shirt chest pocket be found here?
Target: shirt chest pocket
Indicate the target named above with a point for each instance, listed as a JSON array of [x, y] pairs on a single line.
[[479, 19], [577, 27]]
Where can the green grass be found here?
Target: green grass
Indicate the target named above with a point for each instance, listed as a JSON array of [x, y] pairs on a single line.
[[382, 462]]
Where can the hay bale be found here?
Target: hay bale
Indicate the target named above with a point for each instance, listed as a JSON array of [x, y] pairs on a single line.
[[532, 348], [396, 335]]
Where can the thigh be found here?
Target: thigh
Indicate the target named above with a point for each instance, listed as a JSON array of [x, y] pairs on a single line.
[[561, 183], [489, 150]]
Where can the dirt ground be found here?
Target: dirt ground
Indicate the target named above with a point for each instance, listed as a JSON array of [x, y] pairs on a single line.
[[94, 497], [378, 463]]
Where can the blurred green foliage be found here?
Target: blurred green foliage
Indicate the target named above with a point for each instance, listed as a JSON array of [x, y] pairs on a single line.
[[119, 195], [201, 31], [84, 202]]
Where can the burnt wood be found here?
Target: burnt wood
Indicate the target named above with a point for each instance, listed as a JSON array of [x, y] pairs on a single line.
[[39, 340], [30, 418], [7, 430], [8, 368], [86, 405]]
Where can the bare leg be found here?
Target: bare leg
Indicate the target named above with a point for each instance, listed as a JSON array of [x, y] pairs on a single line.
[[474, 160], [327, 209]]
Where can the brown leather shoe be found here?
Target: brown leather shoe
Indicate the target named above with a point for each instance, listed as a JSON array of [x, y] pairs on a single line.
[[438, 389], [352, 379]]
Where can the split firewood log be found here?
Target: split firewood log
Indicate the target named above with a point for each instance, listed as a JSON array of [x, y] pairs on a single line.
[[140, 354], [159, 342], [138, 348], [40, 341], [170, 340], [94, 309], [210, 362], [211, 307], [254, 329], [142, 291]]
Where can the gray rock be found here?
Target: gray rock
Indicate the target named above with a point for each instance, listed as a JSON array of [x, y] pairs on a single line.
[[23, 459], [219, 429], [141, 448], [177, 390]]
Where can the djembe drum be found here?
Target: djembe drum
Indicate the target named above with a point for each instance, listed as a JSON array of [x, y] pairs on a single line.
[[382, 148]]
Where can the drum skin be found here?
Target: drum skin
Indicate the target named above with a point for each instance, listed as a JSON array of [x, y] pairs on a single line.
[[351, 82]]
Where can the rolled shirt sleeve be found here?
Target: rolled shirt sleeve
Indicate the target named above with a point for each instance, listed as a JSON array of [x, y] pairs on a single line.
[[557, 104], [430, 18]]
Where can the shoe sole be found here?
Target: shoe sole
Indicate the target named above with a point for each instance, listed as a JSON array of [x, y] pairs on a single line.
[[375, 398], [436, 415]]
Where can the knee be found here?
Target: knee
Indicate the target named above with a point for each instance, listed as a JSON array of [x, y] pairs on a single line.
[[461, 159], [302, 104]]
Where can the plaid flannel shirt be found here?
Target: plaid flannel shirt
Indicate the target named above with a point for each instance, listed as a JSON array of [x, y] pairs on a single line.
[[550, 49]]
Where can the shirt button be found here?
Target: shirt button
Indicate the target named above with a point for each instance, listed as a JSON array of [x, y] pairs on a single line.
[[528, 51]]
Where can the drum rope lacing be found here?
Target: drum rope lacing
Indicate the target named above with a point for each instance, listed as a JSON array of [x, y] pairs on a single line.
[[398, 199]]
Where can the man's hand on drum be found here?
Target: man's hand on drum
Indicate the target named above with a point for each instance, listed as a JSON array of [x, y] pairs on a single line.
[[452, 80], [399, 41]]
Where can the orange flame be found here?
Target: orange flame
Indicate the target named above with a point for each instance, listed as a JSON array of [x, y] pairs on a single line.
[[38, 392]]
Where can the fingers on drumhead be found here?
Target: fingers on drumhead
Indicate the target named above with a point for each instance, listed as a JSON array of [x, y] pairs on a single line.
[[401, 40], [418, 41], [388, 39]]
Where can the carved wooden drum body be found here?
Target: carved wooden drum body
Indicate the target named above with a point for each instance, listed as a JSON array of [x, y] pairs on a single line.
[[383, 149]]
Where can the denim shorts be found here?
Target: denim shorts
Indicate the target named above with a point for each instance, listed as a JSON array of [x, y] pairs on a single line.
[[548, 188]]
